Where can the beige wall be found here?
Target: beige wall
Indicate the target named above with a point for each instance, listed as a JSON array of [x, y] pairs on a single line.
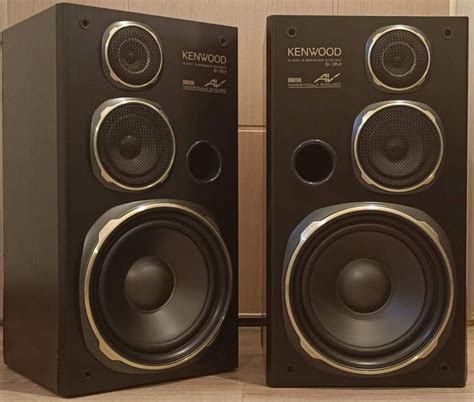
[[249, 17]]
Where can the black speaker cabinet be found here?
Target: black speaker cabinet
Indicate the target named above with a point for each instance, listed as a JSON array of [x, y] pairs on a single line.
[[120, 161], [367, 144]]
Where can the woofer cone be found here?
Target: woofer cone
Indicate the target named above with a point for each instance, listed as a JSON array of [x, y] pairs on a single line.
[[132, 144], [396, 263], [156, 284], [132, 55], [397, 146], [398, 58]]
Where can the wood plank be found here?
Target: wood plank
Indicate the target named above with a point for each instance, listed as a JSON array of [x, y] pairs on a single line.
[[3, 16], [399, 7], [245, 384], [251, 220], [250, 17], [19, 10]]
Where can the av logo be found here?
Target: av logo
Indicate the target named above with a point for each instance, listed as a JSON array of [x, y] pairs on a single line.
[[215, 83], [326, 78]]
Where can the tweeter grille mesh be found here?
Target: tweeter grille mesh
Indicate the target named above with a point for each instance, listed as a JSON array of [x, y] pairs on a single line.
[[398, 58], [397, 146], [132, 143], [132, 54]]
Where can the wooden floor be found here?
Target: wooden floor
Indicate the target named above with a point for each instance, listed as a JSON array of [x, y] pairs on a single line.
[[246, 384]]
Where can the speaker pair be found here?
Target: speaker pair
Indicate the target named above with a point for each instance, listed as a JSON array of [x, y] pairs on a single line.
[[366, 201], [121, 200], [121, 186]]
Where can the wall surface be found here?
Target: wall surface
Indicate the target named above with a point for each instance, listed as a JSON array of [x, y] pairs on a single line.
[[249, 16]]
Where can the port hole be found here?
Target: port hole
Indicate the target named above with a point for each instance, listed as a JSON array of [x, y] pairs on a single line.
[[204, 162], [314, 161]]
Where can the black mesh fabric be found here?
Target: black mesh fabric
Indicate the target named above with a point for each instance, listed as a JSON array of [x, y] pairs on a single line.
[[135, 144], [134, 55], [399, 58], [398, 147]]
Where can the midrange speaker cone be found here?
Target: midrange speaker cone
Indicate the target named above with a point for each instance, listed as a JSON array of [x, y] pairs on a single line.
[[132, 144], [398, 58], [368, 288], [155, 284], [397, 146], [132, 55]]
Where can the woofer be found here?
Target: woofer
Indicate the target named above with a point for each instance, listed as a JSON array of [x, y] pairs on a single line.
[[132, 56], [368, 288], [398, 58], [397, 146], [132, 144], [156, 281]]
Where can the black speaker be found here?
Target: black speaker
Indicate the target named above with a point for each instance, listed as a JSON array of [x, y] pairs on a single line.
[[366, 190], [120, 161]]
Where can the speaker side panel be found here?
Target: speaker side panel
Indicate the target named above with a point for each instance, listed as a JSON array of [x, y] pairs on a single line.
[[327, 112], [194, 116], [31, 200]]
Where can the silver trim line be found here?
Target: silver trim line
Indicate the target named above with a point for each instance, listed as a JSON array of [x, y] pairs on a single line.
[[310, 349], [108, 70], [99, 115], [370, 44], [104, 234], [370, 111]]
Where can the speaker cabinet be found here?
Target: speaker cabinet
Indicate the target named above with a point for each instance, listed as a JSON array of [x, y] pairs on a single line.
[[367, 145], [120, 161]]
